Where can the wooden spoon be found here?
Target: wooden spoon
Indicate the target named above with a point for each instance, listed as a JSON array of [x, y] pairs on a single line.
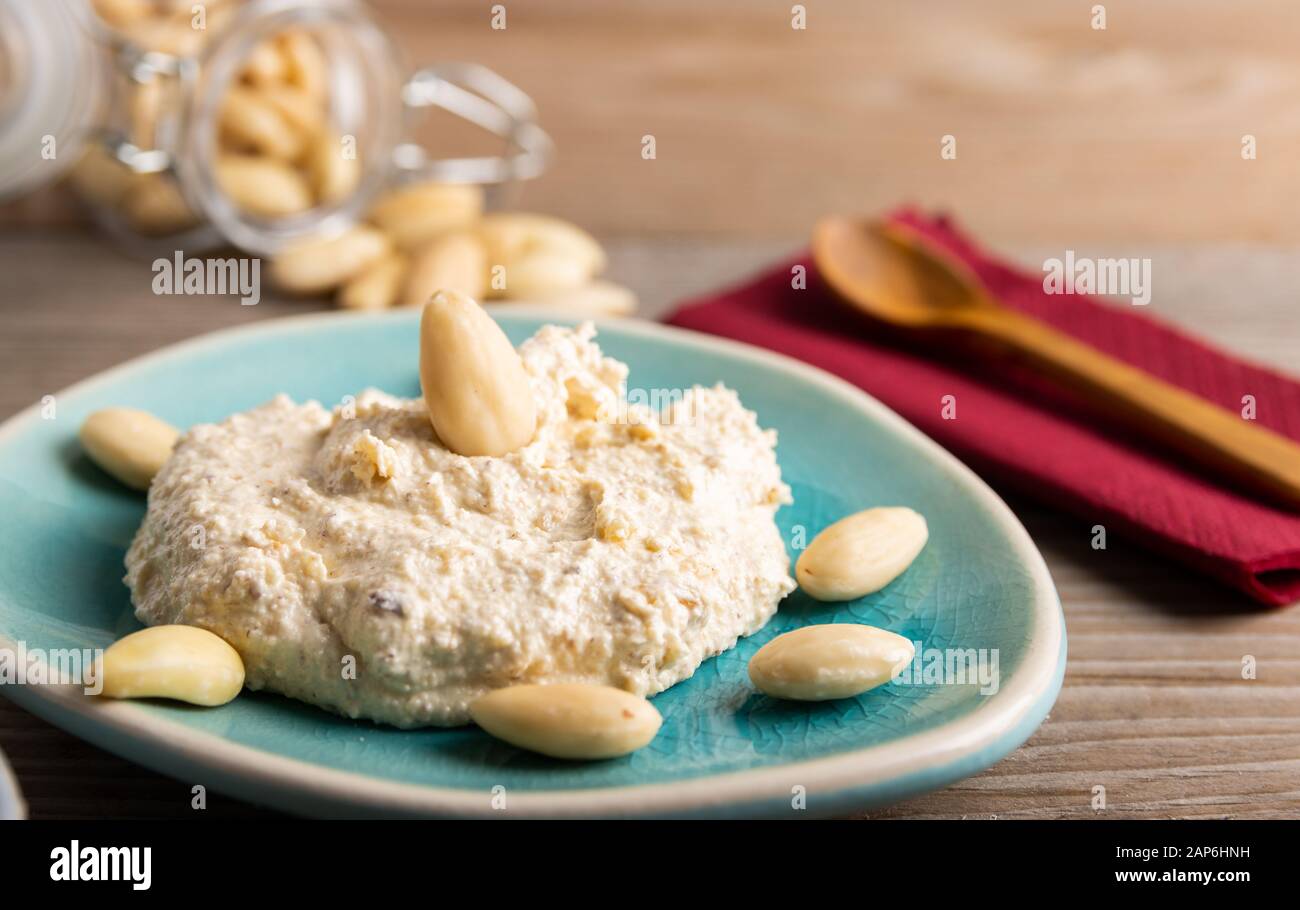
[[890, 274]]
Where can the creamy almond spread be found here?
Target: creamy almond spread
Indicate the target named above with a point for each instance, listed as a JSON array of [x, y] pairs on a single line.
[[358, 564]]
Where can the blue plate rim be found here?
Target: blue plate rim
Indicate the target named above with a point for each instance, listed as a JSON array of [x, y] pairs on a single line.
[[12, 807], [853, 780]]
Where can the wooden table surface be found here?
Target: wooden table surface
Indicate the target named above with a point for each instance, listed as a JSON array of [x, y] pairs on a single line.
[[1153, 707]]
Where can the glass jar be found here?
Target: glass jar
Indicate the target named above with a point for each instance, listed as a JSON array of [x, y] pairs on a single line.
[[141, 111]]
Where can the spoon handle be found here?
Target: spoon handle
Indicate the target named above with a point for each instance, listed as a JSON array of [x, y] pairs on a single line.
[[1207, 434]]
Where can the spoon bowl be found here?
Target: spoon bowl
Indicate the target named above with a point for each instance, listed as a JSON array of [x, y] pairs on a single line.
[[883, 271]]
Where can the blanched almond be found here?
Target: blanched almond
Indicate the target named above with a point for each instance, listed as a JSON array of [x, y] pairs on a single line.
[[479, 396], [119, 13], [154, 205], [165, 36], [184, 663], [300, 110], [413, 215], [509, 234], [316, 265], [595, 298], [131, 445], [335, 170], [252, 121], [265, 65], [263, 186], [102, 179], [837, 660], [543, 273], [306, 64], [453, 262], [568, 720], [540, 254], [861, 553], [378, 286]]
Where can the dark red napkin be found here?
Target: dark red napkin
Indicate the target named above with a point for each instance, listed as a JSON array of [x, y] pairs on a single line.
[[1024, 433]]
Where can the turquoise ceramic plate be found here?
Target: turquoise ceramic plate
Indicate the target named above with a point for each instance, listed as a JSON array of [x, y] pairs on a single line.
[[724, 750]]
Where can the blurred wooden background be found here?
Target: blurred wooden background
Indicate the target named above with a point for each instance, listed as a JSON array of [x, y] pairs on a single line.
[[1065, 133]]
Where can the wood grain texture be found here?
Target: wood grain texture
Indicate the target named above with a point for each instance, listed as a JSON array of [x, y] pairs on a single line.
[[1153, 708], [1063, 132]]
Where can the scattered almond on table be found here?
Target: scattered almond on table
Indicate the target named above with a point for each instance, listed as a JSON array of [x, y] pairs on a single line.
[[440, 239]]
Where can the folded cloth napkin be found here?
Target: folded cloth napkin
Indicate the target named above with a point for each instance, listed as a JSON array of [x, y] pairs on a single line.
[[1021, 431]]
